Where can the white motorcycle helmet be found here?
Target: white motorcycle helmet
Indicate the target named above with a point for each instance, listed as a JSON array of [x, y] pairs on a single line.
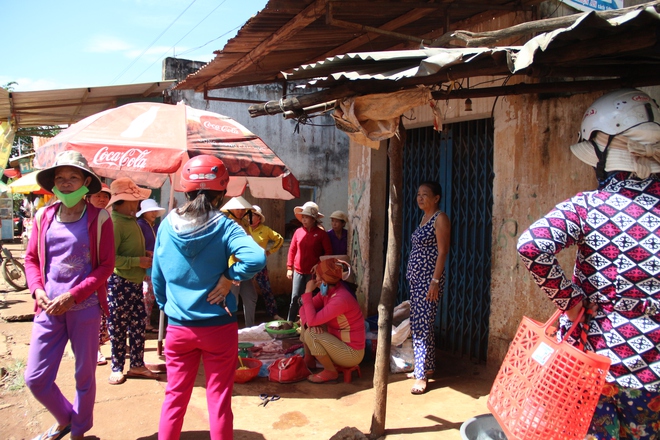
[[625, 112], [618, 111]]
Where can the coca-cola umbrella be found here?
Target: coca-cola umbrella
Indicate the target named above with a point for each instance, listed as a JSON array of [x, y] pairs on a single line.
[[149, 142]]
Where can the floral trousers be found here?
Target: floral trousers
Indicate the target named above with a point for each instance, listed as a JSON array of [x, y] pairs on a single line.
[[126, 319], [269, 299], [626, 413]]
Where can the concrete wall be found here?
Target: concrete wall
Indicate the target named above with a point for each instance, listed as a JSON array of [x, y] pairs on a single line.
[[368, 224], [534, 170], [317, 155]]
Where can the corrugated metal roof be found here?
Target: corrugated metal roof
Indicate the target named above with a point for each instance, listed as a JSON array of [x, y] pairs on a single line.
[[290, 33], [584, 48], [594, 51], [391, 65], [67, 106]]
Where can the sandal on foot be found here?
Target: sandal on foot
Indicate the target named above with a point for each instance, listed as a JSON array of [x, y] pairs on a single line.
[[324, 376], [116, 378], [141, 373], [53, 433], [419, 387], [100, 359]]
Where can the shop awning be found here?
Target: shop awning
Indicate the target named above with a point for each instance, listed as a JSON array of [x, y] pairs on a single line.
[[68, 106]]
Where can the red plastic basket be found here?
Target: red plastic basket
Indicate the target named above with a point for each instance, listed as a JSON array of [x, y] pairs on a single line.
[[242, 376], [546, 389]]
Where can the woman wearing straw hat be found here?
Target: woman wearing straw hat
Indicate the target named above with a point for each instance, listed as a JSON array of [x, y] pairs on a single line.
[[271, 242], [68, 260], [309, 243], [197, 238], [125, 296], [147, 215], [239, 210], [616, 277], [332, 323]]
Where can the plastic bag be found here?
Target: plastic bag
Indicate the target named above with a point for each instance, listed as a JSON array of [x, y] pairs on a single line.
[[401, 312], [401, 332], [402, 359]]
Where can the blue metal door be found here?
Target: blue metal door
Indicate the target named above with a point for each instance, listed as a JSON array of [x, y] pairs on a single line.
[[460, 158]]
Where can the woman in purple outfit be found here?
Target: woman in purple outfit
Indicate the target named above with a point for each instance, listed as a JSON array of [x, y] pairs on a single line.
[[70, 255], [147, 215]]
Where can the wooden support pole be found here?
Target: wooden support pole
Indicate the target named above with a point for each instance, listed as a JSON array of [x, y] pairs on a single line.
[[390, 282]]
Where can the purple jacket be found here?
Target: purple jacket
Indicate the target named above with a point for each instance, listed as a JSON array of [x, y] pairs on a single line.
[[103, 259]]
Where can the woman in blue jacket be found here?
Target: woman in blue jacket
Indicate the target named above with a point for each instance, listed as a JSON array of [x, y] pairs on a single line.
[[191, 279]]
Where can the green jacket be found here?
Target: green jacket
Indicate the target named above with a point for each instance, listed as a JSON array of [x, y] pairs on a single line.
[[129, 247]]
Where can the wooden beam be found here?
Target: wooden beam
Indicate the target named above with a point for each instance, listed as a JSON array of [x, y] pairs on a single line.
[[150, 90], [349, 6], [309, 103], [614, 45], [390, 282], [364, 28], [477, 39], [68, 103], [473, 20], [307, 16], [485, 67], [82, 101], [398, 22], [550, 87]]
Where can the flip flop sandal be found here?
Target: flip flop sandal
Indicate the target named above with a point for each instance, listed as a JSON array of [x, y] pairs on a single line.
[[142, 374], [323, 377], [116, 378], [101, 360], [53, 433], [419, 389]]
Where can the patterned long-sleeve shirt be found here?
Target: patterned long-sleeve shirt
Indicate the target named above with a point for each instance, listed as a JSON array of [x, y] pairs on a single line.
[[617, 232]]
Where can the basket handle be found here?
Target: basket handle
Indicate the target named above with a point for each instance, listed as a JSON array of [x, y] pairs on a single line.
[[555, 316]]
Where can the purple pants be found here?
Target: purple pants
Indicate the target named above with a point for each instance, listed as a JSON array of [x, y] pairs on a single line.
[[50, 335], [217, 347]]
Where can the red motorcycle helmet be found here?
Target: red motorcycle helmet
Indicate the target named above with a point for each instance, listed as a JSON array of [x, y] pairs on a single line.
[[204, 172]]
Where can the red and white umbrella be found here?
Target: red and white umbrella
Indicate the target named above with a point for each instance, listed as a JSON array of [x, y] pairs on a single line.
[[149, 142]]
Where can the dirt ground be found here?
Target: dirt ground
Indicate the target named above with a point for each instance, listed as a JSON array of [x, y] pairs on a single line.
[[131, 411]]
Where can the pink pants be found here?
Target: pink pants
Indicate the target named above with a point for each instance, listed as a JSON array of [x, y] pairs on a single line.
[[217, 347]]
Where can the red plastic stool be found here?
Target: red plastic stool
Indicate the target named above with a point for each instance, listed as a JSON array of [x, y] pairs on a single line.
[[348, 372]]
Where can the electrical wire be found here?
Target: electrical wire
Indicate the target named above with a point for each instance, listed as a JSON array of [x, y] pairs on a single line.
[[152, 43], [181, 39]]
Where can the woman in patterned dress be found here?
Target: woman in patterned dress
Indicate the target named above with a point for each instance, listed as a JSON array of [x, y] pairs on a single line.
[[426, 277], [615, 230]]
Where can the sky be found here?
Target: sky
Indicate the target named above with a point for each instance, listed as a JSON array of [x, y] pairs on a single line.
[[58, 45]]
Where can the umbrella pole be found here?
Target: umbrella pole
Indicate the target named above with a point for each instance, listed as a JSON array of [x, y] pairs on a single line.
[[161, 316]]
